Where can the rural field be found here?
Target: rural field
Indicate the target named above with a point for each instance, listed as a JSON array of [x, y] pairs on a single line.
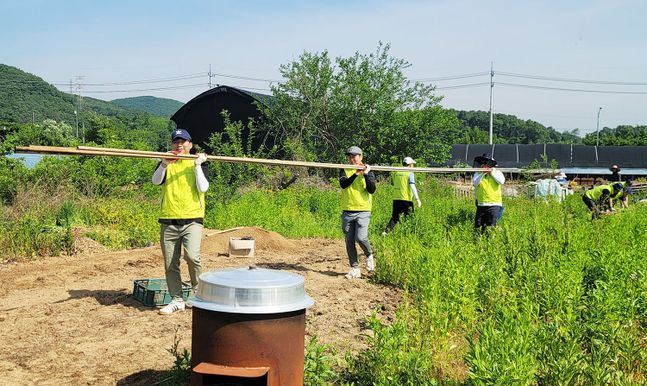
[[265, 120], [549, 297]]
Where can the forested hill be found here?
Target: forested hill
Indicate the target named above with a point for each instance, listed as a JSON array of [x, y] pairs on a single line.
[[156, 106], [475, 126], [24, 97]]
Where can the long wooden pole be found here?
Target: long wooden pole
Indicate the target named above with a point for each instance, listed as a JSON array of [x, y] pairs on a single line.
[[104, 151]]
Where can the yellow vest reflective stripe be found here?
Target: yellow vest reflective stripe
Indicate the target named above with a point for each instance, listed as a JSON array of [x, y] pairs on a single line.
[[402, 190], [356, 197], [488, 191], [595, 193], [180, 196]]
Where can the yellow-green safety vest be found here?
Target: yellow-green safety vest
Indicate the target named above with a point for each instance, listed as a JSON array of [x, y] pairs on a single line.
[[180, 196], [402, 190], [595, 193], [488, 191], [356, 197]]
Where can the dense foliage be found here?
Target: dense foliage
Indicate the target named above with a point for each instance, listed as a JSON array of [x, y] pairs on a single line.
[[475, 126], [363, 100], [27, 98], [623, 135], [157, 106], [28, 103]]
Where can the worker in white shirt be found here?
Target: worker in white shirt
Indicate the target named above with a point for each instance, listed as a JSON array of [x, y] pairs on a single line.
[[404, 192], [489, 198]]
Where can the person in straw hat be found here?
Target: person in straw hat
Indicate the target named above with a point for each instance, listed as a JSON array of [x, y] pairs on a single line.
[[489, 197]]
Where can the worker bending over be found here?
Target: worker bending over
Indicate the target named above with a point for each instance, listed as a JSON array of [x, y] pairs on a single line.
[[598, 198], [622, 196]]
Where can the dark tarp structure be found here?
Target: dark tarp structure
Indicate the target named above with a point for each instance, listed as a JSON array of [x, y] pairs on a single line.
[[201, 116], [567, 156]]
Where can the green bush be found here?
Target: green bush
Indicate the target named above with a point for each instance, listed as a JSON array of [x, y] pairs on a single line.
[[12, 172]]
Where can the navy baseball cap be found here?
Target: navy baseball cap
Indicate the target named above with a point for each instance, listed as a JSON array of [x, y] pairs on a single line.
[[180, 133]]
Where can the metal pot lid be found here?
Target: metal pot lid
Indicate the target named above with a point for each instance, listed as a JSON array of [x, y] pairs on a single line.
[[251, 290]]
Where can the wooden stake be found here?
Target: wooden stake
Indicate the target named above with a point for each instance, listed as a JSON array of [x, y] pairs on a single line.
[[104, 151]]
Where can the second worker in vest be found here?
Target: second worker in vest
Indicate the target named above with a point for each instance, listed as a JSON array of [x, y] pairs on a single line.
[[489, 198], [404, 192], [184, 182], [358, 186], [597, 198], [622, 196]]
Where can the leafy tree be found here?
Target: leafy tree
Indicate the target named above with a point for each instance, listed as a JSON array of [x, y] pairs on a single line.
[[156, 106], [623, 135], [227, 177], [509, 129], [12, 173], [372, 100], [362, 100], [299, 114], [47, 133]]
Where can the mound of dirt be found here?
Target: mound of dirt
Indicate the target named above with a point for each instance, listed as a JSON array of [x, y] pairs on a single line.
[[218, 241], [84, 245]]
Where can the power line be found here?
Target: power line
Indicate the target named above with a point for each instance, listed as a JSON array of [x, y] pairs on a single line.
[[468, 85], [147, 89], [158, 80], [571, 89], [571, 80], [246, 78], [170, 88], [451, 77]]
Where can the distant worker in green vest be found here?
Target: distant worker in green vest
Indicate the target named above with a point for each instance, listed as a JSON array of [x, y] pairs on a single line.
[[489, 197], [358, 186], [184, 183], [597, 198], [404, 192], [622, 196]]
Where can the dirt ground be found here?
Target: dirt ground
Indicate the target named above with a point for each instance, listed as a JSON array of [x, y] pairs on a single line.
[[72, 320]]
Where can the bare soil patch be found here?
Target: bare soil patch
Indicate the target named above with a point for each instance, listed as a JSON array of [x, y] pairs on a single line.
[[72, 320]]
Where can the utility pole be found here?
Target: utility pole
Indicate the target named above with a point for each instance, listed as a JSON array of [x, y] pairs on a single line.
[[78, 86], [597, 131], [211, 75], [76, 117], [491, 91]]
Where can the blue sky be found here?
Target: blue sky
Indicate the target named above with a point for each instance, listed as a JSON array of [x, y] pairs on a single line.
[[127, 41]]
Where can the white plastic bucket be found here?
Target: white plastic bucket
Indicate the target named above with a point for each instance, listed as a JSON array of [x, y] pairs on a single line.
[[241, 246]]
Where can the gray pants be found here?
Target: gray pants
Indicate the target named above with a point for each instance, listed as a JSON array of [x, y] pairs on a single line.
[[355, 227], [173, 238]]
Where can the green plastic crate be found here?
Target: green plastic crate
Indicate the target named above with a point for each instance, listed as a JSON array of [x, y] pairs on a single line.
[[154, 292]]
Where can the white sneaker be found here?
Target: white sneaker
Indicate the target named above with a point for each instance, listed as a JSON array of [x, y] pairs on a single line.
[[354, 273], [173, 306], [370, 263]]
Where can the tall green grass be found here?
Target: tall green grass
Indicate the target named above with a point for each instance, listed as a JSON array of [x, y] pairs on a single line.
[[548, 297]]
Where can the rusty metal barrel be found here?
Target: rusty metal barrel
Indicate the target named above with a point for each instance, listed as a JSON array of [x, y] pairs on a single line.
[[248, 328]]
